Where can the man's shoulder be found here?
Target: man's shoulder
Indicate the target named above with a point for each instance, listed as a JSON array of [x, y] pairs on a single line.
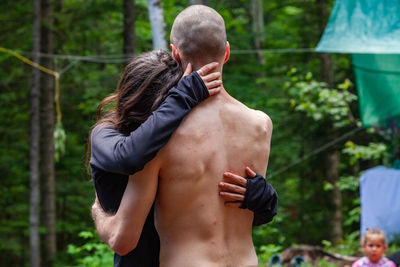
[[224, 110], [264, 119], [262, 124], [261, 116], [255, 116]]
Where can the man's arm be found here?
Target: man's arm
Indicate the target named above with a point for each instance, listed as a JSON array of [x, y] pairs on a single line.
[[122, 230], [113, 152]]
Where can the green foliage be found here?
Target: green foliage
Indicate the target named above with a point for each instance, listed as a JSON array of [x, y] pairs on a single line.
[[59, 141], [265, 252], [93, 253], [374, 151], [393, 247], [350, 245], [317, 101], [353, 215], [322, 263], [350, 183]]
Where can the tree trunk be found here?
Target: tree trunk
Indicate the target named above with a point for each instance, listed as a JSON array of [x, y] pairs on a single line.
[[47, 136], [332, 159], [326, 59], [257, 13], [34, 144], [129, 29], [327, 69], [332, 163], [302, 189], [156, 17]]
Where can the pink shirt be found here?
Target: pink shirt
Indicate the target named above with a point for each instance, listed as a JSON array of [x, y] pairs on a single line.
[[365, 262]]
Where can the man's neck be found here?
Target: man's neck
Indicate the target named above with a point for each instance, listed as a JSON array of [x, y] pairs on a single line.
[[222, 94], [198, 64]]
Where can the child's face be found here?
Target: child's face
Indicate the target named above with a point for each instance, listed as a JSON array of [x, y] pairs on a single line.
[[374, 248]]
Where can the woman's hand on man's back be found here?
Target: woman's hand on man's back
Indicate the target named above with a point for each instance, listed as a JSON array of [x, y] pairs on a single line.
[[209, 75]]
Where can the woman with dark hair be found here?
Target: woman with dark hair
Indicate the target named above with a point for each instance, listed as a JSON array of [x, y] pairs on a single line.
[[144, 84], [151, 100]]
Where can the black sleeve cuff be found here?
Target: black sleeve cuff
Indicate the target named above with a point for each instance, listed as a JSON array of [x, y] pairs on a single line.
[[261, 198]]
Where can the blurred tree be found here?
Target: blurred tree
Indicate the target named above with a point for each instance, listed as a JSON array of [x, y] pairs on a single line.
[[332, 158], [47, 119], [257, 12], [129, 29], [34, 214], [156, 17], [327, 74]]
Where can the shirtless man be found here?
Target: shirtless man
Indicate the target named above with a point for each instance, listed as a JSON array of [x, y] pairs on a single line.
[[194, 225]]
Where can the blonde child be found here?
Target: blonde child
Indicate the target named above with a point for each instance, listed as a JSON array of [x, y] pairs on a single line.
[[373, 244]]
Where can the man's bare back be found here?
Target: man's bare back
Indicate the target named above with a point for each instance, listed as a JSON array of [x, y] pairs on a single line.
[[195, 227]]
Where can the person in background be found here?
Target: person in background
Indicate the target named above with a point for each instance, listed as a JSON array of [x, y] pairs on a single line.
[[373, 244]]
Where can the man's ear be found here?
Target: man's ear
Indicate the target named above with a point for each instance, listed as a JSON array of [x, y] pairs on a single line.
[[175, 52], [227, 52]]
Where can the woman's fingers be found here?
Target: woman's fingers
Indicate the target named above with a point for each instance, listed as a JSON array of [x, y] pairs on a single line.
[[203, 71], [212, 81], [250, 172], [188, 70], [213, 84], [214, 91], [231, 196], [232, 189], [211, 77], [228, 187], [235, 179]]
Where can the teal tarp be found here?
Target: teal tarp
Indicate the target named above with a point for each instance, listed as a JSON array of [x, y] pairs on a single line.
[[370, 30], [363, 26], [378, 86]]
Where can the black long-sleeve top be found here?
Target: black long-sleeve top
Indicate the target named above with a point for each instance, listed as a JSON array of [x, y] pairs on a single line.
[[114, 156]]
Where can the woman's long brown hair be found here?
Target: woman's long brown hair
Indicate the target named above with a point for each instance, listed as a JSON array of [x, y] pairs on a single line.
[[143, 86]]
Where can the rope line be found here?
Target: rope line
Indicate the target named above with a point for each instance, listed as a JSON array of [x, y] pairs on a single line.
[[93, 59], [30, 62], [119, 58], [316, 151], [69, 66], [277, 50], [44, 69]]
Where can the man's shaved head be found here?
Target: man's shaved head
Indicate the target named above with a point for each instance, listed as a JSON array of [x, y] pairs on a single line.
[[199, 33]]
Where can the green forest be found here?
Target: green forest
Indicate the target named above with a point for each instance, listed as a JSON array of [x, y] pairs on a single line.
[[318, 150]]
